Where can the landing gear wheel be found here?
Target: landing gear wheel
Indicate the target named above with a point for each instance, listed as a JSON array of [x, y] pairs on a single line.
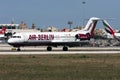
[[49, 48], [65, 48], [18, 49]]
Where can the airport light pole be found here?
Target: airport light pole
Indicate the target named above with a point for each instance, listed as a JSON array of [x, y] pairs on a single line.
[[70, 24], [83, 11]]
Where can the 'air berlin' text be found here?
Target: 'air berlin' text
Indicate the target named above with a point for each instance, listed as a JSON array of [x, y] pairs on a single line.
[[41, 37]]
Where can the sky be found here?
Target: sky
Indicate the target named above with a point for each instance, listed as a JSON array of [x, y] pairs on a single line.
[[44, 13]]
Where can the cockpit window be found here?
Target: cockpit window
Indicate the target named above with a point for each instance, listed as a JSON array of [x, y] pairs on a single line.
[[16, 36]]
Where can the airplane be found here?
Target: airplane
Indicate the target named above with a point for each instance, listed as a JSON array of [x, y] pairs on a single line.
[[2, 32], [2, 35], [110, 30], [54, 39]]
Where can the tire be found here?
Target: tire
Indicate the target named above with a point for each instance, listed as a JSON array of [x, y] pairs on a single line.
[[18, 49], [65, 48], [49, 48]]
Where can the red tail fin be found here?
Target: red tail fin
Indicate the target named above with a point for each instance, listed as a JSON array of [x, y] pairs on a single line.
[[3, 31], [91, 25]]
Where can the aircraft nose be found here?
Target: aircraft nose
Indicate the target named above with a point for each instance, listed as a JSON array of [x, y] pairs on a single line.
[[10, 41]]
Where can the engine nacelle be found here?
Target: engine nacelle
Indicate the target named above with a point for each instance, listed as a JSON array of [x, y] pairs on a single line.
[[83, 36]]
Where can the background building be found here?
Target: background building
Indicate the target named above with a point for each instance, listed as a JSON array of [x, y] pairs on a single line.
[[9, 26]]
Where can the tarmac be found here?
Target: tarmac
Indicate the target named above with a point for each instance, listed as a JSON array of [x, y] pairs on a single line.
[[6, 49]]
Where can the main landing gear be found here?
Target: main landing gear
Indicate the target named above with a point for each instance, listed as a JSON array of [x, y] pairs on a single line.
[[65, 48], [49, 48], [18, 49]]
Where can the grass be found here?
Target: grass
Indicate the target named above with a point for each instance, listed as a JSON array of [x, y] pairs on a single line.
[[60, 67]]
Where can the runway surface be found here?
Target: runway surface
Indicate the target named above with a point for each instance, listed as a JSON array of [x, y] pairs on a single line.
[[5, 49]]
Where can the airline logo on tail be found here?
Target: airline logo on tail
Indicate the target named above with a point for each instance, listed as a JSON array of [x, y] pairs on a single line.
[[88, 31], [3, 31], [108, 28]]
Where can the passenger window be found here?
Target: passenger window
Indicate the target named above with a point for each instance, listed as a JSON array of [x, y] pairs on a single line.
[[16, 37], [19, 36]]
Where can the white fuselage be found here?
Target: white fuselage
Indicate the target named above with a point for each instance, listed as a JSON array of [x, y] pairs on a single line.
[[50, 37], [45, 38]]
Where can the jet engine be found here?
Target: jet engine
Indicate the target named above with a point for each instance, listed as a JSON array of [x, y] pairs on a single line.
[[83, 36]]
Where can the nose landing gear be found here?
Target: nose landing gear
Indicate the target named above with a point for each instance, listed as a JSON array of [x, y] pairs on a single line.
[[16, 49]]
